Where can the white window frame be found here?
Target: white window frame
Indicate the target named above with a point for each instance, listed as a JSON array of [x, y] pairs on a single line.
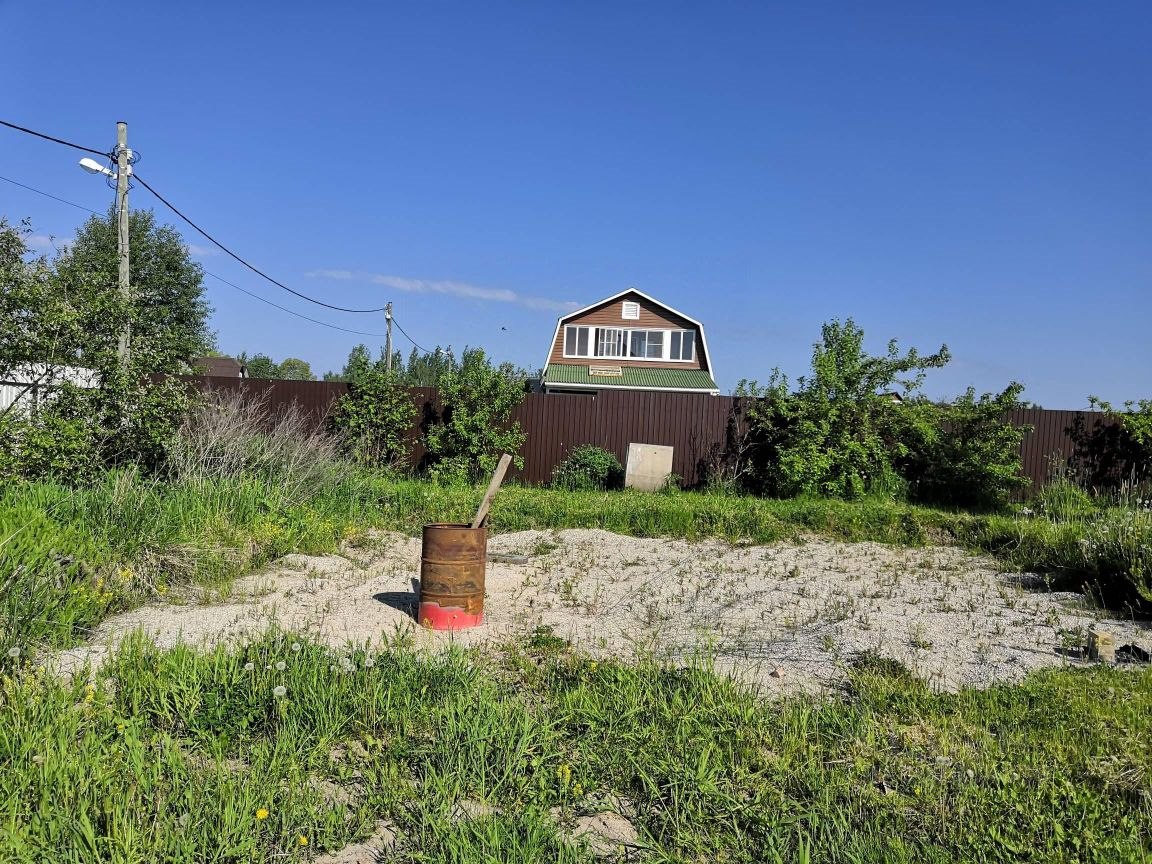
[[623, 334], [626, 336], [682, 359], [591, 355]]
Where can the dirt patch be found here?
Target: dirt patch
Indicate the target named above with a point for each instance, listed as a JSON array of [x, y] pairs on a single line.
[[373, 850], [784, 616]]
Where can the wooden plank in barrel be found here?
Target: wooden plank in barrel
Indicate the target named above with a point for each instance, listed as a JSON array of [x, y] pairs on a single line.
[[493, 485]]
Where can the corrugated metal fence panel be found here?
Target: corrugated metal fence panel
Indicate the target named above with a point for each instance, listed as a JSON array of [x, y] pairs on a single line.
[[690, 423], [693, 424]]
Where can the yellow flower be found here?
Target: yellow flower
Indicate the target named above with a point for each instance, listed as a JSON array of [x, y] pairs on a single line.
[[302, 840], [261, 814]]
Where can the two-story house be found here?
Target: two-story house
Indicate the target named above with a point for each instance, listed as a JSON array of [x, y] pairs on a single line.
[[629, 341]]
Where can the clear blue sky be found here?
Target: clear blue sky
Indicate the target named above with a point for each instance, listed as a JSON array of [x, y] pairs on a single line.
[[979, 175]]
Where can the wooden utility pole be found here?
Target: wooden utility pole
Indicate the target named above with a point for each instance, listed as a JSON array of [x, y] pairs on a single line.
[[123, 161], [388, 337]]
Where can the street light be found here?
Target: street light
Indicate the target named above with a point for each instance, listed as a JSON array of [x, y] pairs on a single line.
[[94, 167]]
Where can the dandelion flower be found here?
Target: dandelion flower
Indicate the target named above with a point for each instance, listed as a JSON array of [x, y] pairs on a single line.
[[261, 814], [296, 646], [14, 652], [248, 667], [369, 662], [302, 840], [280, 691], [281, 666]]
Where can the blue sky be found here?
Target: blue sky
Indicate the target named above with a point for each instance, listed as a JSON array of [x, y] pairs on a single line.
[[973, 173]]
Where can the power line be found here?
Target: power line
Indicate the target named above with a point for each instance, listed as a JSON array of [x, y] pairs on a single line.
[[409, 338], [83, 149], [290, 311], [229, 252], [48, 195], [206, 273]]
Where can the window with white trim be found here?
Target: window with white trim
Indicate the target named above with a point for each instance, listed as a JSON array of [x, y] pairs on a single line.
[[683, 345], [628, 344], [631, 311], [611, 342], [647, 344], [577, 341]]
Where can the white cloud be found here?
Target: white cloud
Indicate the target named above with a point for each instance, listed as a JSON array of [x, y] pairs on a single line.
[[44, 243], [201, 251], [453, 289]]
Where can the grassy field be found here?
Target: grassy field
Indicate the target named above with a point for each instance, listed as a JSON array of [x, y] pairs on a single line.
[[283, 749], [68, 557]]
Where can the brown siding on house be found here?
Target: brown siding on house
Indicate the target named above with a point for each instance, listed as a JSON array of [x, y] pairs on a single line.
[[652, 316]]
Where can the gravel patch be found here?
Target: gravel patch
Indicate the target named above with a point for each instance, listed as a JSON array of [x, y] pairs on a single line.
[[785, 616]]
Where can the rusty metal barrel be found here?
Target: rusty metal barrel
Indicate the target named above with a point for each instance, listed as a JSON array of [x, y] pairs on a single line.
[[452, 561]]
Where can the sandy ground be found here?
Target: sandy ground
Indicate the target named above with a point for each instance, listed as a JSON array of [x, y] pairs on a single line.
[[783, 617]]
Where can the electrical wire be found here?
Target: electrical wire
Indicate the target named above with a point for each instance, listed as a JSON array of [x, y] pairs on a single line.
[[291, 311], [409, 338], [207, 273], [229, 252], [48, 195], [56, 140]]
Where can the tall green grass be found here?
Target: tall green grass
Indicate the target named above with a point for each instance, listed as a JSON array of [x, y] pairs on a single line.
[[174, 755]]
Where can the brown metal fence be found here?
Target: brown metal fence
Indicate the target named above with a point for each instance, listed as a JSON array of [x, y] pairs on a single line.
[[693, 425]]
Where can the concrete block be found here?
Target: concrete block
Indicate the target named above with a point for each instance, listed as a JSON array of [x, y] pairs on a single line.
[[1101, 646], [649, 466]]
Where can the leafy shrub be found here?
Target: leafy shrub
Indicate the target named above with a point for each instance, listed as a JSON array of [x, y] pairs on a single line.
[[375, 419], [843, 434], [475, 426], [588, 467], [969, 455], [835, 435], [77, 433]]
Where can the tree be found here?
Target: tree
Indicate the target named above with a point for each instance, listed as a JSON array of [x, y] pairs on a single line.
[[358, 365], [259, 365], [475, 425], [837, 434], [167, 312], [375, 419], [427, 369], [62, 320], [295, 369]]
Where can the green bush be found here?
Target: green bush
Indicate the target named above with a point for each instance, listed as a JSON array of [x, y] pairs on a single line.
[[475, 425], [842, 434], [375, 420], [965, 453], [589, 468]]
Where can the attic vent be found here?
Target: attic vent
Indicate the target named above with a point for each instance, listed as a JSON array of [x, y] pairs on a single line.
[[631, 311], [605, 371]]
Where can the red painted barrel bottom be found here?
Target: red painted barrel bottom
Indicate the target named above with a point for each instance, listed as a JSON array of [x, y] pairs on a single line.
[[437, 617]]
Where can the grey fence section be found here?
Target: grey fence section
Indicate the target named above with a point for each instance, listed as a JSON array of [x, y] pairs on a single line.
[[695, 426]]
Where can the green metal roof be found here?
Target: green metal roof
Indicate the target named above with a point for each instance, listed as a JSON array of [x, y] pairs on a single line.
[[631, 376]]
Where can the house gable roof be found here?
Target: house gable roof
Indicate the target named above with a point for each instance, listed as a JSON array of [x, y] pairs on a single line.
[[699, 327]]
